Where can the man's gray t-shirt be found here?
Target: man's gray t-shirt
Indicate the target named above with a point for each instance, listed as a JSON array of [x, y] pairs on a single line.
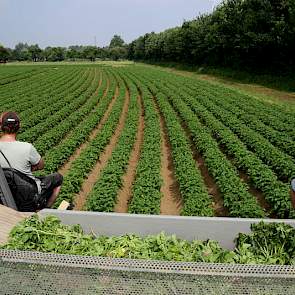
[[21, 155]]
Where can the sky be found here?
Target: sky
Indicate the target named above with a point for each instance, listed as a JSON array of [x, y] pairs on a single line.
[[86, 22]]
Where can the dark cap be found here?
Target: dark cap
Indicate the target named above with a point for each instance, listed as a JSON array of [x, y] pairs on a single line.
[[10, 122]]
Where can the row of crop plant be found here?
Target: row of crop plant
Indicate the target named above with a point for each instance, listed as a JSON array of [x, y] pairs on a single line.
[[23, 94], [59, 131], [228, 137], [195, 198], [103, 196], [275, 192], [47, 102], [235, 193], [81, 166], [71, 102], [59, 154]]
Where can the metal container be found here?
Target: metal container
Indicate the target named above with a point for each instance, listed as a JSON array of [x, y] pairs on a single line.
[[221, 229]]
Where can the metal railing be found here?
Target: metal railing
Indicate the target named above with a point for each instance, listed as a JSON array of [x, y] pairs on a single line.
[[41, 273]]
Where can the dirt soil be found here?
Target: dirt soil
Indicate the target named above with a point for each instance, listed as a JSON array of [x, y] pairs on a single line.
[[255, 192], [125, 192], [171, 201], [88, 184], [246, 179], [212, 188]]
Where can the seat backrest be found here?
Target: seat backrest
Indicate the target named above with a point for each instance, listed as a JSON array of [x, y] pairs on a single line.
[[6, 197], [23, 189]]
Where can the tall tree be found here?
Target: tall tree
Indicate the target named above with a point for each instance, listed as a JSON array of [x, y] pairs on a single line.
[[116, 41], [4, 54], [54, 53], [21, 51], [238, 33], [117, 53], [90, 52], [35, 52]]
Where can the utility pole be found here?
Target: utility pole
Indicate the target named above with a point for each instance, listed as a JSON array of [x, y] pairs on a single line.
[[95, 41]]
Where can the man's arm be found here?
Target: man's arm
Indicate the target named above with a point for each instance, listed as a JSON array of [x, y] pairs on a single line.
[[37, 163], [38, 166]]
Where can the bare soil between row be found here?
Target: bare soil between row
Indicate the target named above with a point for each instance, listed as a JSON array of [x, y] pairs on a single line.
[[212, 187], [81, 197], [125, 193], [171, 201]]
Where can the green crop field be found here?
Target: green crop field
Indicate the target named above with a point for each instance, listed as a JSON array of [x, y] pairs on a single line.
[[139, 139]]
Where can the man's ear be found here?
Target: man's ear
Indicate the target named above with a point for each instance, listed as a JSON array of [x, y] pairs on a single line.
[[1, 117]]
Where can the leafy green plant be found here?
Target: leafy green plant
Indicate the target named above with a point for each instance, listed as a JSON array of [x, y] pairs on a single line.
[[276, 192], [236, 197], [146, 195], [103, 196], [81, 166], [49, 235], [268, 243], [71, 102], [194, 194], [59, 154]]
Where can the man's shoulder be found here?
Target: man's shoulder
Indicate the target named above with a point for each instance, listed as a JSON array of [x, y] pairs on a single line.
[[24, 144], [20, 144]]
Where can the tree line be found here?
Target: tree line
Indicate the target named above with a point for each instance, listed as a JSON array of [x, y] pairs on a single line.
[[117, 49], [238, 33], [254, 34]]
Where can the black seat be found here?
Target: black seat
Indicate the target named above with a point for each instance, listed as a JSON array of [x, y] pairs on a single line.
[[23, 189], [6, 197]]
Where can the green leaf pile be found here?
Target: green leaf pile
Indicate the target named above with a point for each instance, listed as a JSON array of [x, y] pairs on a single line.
[[272, 243]]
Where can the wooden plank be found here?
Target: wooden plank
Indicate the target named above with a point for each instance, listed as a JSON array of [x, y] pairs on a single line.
[[64, 205], [8, 219]]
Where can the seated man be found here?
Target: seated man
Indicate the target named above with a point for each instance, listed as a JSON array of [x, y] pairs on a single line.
[[23, 157]]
